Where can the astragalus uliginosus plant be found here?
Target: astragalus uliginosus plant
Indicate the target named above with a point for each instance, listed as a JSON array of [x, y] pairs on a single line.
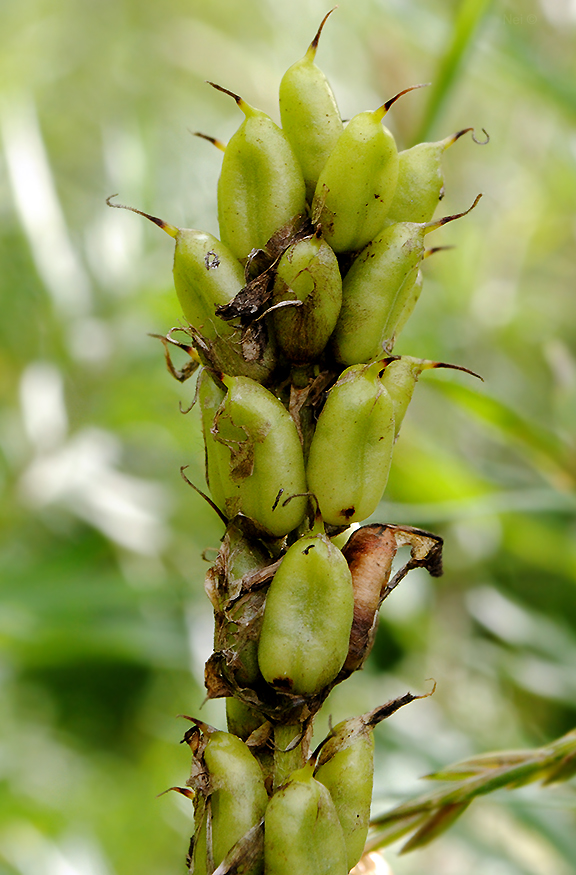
[[291, 320]]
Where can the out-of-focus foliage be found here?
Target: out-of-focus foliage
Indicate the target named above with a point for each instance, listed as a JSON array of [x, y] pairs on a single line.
[[103, 623]]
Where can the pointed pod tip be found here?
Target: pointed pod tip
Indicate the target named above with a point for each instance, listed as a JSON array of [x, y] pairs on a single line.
[[382, 110], [170, 229], [311, 51], [215, 142], [449, 141], [438, 223], [245, 107], [446, 365]]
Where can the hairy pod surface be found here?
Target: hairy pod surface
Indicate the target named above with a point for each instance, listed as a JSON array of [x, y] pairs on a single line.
[[307, 272], [261, 185], [356, 186], [302, 833], [265, 465], [310, 115], [307, 618], [346, 768], [370, 289], [238, 798], [351, 451]]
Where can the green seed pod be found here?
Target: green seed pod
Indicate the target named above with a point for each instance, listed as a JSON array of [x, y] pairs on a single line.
[[405, 302], [400, 378], [420, 183], [210, 397], [242, 720], [302, 833], [372, 285], [345, 766], [265, 465], [307, 618], [237, 795], [310, 116], [351, 450], [308, 272], [356, 185], [261, 185], [403, 307], [206, 276]]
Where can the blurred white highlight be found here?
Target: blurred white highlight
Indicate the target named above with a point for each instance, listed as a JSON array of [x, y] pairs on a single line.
[[43, 406], [81, 473], [372, 864], [38, 207], [32, 853]]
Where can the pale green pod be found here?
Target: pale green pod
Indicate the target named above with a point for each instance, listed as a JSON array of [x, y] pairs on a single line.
[[351, 451], [238, 798], [265, 461], [216, 457], [308, 272], [420, 185], [310, 116], [403, 307], [241, 719], [302, 833], [345, 765], [357, 183], [307, 618], [370, 289], [400, 378], [372, 285], [355, 188], [261, 187], [346, 768], [208, 275]]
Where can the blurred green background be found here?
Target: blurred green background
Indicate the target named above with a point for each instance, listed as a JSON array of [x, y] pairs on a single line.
[[104, 626]]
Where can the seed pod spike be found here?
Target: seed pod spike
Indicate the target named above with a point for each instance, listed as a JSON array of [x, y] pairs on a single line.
[[215, 142], [170, 229], [429, 365], [246, 108], [383, 711], [313, 47], [449, 141], [434, 249], [432, 226], [382, 110]]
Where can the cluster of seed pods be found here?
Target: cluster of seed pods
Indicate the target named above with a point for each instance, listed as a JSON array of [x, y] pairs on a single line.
[[292, 317]]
